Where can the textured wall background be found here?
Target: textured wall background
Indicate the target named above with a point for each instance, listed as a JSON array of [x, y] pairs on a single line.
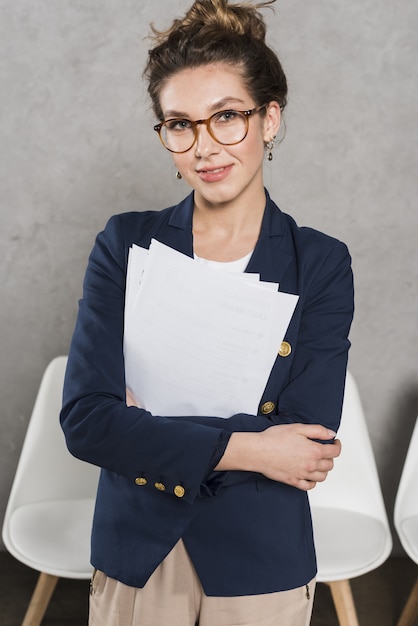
[[77, 145]]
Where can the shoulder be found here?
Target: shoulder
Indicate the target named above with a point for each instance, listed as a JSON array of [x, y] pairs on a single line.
[[140, 227], [112, 245], [132, 227], [324, 266], [312, 241], [307, 243], [321, 254], [313, 258]]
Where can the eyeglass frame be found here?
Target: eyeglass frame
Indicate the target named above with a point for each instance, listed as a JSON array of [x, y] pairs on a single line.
[[206, 122]]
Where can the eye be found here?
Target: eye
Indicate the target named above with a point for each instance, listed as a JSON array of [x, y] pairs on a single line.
[[178, 125], [225, 117]]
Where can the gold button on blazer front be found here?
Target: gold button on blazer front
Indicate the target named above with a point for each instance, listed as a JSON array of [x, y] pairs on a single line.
[[267, 407], [285, 349]]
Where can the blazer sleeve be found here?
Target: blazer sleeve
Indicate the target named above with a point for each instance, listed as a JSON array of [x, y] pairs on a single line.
[[315, 387]]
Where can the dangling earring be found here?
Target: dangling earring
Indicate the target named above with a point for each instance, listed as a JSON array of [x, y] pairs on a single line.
[[178, 175], [269, 147]]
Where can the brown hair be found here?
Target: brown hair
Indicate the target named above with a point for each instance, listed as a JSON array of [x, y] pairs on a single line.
[[215, 31]]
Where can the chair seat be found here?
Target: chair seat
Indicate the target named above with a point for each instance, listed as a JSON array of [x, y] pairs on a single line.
[[348, 544], [54, 536], [409, 529]]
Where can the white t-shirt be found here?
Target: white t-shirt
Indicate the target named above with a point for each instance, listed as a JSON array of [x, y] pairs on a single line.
[[235, 267]]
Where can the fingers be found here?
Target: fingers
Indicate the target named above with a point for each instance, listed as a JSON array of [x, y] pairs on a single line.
[[323, 465], [330, 450], [336, 447], [306, 485], [130, 400], [316, 431], [323, 461], [319, 465]]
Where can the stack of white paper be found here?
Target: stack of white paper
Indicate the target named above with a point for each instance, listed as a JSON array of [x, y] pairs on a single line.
[[198, 341]]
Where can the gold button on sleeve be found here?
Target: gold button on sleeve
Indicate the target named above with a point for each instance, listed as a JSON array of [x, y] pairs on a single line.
[[141, 481], [179, 491], [285, 349], [267, 407], [159, 486]]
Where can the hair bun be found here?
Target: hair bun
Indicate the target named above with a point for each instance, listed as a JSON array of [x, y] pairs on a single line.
[[211, 16]]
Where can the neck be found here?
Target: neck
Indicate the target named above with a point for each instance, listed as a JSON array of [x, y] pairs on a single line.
[[224, 232], [234, 217]]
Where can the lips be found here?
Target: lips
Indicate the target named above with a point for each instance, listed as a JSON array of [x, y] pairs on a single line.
[[214, 174], [213, 171]]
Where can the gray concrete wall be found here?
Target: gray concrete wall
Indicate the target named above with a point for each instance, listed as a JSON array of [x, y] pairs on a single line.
[[77, 145]]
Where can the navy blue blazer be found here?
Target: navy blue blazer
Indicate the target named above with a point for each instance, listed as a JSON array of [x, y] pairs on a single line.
[[245, 534]]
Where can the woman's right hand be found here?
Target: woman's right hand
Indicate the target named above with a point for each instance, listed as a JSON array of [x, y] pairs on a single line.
[[130, 400]]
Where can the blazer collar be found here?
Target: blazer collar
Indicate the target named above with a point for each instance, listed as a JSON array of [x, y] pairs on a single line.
[[273, 251]]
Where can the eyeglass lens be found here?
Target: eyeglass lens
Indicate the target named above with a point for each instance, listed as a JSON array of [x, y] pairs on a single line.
[[226, 127]]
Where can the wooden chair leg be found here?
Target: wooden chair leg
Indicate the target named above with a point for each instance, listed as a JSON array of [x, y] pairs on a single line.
[[410, 611], [40, 599], [344, 603]]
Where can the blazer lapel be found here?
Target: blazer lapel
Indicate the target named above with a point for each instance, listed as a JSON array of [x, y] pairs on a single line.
[[179, 234], [274, 250]]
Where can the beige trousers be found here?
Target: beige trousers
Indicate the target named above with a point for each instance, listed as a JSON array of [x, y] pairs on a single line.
[[173, 596]]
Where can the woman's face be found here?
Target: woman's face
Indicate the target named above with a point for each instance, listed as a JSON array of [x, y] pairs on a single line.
[[220, 175]]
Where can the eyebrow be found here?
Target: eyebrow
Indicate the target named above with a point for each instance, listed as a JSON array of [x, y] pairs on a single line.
[[220, 105]]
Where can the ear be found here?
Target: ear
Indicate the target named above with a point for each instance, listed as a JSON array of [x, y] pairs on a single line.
[[272, 121]]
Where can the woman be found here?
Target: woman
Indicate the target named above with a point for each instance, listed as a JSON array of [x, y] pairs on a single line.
[[203, 520]]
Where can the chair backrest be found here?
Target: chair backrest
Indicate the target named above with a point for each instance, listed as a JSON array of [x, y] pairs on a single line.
[[406, 502], [46, 470], [353, 484]]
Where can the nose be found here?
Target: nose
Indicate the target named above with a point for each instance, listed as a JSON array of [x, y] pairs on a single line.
[[205, 144]]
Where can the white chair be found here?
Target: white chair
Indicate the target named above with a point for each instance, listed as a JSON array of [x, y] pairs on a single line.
[[50, 508], [351, 528], [406, 520]]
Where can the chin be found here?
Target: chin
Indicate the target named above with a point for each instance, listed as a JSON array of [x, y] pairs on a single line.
[[217, 195], [217, 199]]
